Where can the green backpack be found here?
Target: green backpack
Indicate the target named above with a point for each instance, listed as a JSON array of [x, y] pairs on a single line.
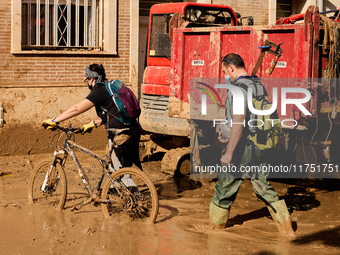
[[267, 131]]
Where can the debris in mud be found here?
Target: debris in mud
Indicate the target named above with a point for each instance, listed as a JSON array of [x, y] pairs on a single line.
[[29, 162], [6, 174], [88, 231], [72, 242], [301, 199], [60, 241], [11, 205]]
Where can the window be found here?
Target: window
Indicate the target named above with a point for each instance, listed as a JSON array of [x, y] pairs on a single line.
[[160, 44], [199, 17], [283, 8], [64, 25]]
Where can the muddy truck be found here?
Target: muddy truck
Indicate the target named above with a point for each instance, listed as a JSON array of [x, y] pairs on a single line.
[[186, 42]]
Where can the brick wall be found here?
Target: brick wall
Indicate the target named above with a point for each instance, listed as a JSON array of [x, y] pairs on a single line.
[[36, 87], [256, 8]]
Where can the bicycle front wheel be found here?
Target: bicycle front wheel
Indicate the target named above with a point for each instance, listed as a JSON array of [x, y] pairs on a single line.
[[131, 196], [47, 185]]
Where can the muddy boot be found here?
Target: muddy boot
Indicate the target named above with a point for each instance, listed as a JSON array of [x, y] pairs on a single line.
[[218, 216], [282, 218]]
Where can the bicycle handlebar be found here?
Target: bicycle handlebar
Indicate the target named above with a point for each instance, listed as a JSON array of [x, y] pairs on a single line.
[[74, 130]]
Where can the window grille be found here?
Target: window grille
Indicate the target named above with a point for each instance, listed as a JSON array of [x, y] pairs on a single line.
[[49, 24]]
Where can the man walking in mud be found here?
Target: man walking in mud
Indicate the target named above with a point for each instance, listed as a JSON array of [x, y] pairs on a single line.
[[242, 152]]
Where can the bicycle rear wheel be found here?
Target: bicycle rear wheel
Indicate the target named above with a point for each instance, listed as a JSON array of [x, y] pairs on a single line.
[[51, 191], [132, 196]]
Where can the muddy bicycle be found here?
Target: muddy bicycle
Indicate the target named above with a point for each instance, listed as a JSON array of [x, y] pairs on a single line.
[[128, 192]]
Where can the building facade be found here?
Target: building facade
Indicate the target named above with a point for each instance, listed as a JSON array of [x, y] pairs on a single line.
[[47, 44]]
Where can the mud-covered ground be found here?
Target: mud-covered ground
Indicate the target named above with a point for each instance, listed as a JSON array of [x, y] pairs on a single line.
[[181, 226]]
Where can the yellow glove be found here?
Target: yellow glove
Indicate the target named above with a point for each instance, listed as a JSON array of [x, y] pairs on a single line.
[[49, 124], [88, 127]]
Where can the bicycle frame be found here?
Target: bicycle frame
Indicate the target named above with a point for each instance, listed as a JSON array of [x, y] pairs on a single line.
[[126, 193], [66, 150]]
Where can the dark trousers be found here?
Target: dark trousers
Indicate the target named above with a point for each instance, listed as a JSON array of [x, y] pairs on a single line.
[[127, 147], [228, 185]]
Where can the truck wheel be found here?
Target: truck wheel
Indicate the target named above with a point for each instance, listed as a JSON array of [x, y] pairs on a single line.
[[175, 160], [184, 165]]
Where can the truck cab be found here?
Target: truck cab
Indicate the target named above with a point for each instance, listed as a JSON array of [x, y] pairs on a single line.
[[157, 79]]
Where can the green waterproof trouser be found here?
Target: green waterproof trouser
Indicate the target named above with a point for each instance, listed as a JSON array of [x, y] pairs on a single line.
[[228, 184]]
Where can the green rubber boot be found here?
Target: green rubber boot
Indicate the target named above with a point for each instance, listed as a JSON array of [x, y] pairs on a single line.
[[218, 216], [282, 218]]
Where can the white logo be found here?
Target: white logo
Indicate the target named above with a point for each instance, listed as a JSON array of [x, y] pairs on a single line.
[[238, 100]]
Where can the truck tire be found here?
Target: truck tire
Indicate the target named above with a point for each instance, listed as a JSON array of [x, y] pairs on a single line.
[[176, 160]]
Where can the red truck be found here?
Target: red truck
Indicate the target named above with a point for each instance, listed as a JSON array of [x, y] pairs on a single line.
[[187, 40]]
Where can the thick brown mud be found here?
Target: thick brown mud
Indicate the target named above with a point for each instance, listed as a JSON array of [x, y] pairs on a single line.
[[182, 223], [25, 140]]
